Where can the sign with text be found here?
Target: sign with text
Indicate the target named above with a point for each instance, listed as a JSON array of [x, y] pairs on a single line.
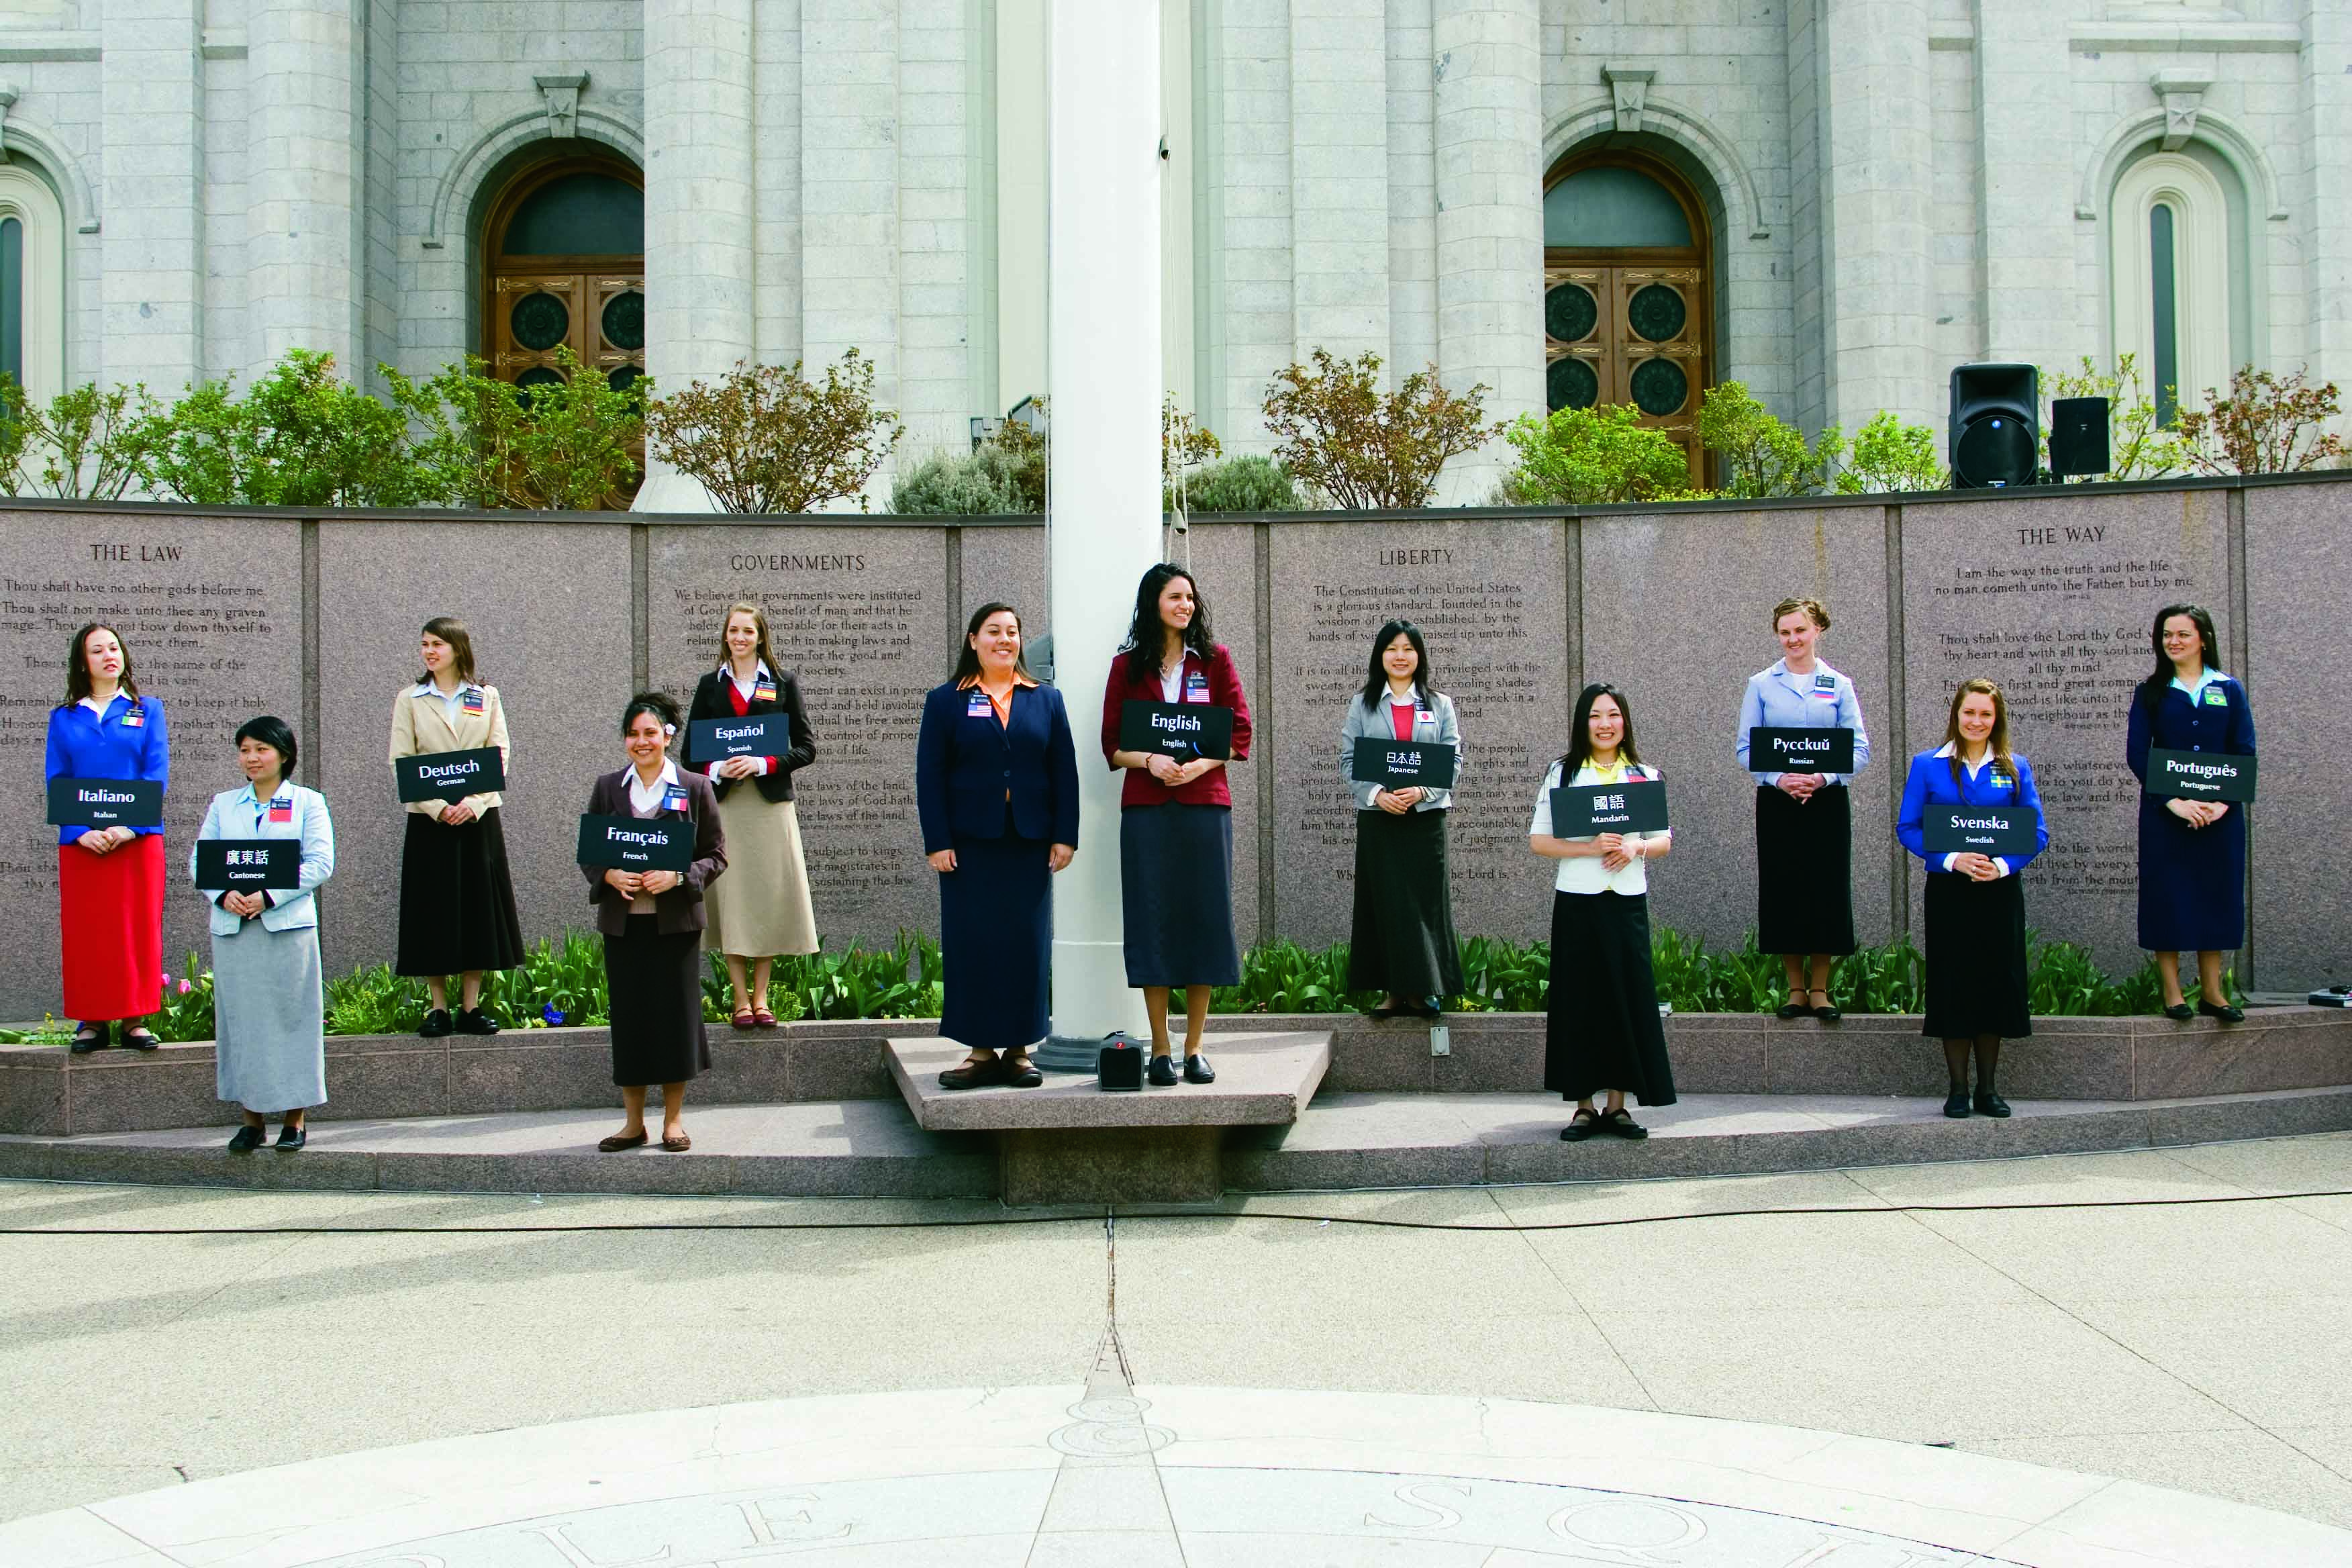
[[247, 865], [2007, 830], [760, 735], [2200, 775], [1589, 810], [1816, 751], [450, 775], [636, 843], [106, 803], [1402, 764], [1185, 730]]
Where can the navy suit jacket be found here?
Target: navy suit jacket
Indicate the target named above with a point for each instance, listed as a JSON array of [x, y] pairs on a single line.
[[964, 764]]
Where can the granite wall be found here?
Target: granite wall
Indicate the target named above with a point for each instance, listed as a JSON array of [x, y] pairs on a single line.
[[231, 613]]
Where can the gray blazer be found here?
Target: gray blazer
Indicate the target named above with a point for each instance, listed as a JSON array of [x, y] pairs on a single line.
[[1437, 724]]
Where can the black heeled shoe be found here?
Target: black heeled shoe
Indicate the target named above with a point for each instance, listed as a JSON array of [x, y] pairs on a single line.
[[2225, 1012], [2180, 1012], [1989, 1104], [1956, 1105]]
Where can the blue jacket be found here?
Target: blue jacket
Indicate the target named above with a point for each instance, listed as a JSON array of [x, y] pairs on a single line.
[[128, 743], [2218, 721], [233, 815], [1931, 783], [965, 762]]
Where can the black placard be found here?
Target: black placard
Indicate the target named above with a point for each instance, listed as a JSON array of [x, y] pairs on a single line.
[[247, 865], [1828, 750], [2008, 830], [1185, 730], [2200, 775], [450, 775], [636, 843], [1589, 810], [1402, 764], [761, 735], [106, 803]]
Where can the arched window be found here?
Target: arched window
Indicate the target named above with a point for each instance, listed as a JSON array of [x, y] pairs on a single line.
[[565, 268], [32, 283], [1626, 292], [2170, 256]]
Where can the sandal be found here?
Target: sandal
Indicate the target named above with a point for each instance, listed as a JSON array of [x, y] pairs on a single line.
[[1580, 1126], [744, 1018], [763, 1018]]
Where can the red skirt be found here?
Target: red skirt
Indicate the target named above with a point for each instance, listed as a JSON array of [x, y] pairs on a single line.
[[111, 912]]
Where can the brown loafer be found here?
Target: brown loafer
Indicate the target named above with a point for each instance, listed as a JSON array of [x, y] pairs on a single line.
[[677, 1143], [973, 1075], [620, 1141]]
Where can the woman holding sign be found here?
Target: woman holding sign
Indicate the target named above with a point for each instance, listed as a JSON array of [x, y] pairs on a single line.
[[1601, 1029], [996, 792], [269, 1051], [1804, 817], [1175, 818], [1402, 939], [652, 924], [456, 896], [763, 908], [109, 879], [2192, 852], [1975, 902]]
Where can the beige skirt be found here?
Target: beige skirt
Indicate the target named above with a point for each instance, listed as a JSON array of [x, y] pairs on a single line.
[[758, 907]]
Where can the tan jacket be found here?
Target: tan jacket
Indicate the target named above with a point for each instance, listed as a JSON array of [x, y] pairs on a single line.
[[420, 724]]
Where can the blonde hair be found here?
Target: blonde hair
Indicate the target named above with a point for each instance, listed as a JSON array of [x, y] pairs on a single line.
[[765, 653], [1815, 612]]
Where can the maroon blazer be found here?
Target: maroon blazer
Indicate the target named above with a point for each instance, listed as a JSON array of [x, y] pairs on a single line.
[[1225, 692], [680, 909]]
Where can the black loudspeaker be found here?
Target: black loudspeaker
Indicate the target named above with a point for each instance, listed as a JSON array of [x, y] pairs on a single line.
[[1995, 435], [1119, 1065], [2078, 436]]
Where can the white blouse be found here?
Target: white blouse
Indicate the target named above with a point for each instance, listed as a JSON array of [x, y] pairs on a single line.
[[1585, 873]]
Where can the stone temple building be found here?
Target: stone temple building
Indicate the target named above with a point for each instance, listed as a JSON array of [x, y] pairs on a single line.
[[1833, 200]]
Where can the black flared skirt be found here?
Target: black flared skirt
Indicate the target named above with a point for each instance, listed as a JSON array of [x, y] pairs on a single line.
[[1804, 872], [1176, 892], [996, 942], [1600, 1013], [456, 899], [1976, 958], [656, 979], [1402, 939]]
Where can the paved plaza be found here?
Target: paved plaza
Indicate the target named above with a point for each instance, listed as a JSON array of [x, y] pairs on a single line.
[[1267, 1379]]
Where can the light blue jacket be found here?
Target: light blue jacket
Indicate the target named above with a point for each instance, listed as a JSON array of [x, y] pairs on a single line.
[[235, 815], [1435, 723], [1776, 699]]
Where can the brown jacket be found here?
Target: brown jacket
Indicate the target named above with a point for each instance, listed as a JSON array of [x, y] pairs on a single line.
[[680, 909]]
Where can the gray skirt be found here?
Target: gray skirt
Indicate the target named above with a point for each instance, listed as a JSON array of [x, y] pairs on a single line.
[[270, 1048], [1176, 891]]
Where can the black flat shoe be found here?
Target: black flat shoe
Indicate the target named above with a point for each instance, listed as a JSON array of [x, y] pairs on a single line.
[[147, 1039], [1792, 1010], [1019, 1072], [1828, 1013], [1956, 1105], [247, 1140], [1162, 1073], [1381, 1013], [2180, 1012], [475, 1021], [1620, 1123], [1990, 1104], [291, 1139], [88, 1038], [1429, 1010], [1198, 1070], [2225, 1012], [436, 1023], [1580, 1126]]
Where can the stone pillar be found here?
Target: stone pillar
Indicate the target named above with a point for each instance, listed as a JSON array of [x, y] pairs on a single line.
[[304, 285], [1255, 260], [2025, 106], [935, 181], [1489, 70], [151, 96], [849, 185], [1103, 282], [2327, 102], [1340, 177], [1870, 64], [698, 207]]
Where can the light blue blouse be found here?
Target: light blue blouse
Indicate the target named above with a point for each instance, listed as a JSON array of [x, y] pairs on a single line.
[[1779, 700]]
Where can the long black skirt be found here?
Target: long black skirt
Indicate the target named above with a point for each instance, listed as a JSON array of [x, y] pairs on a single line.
[[456, 899], [656, 979], [1804, 872], [1601, 1011], [1976, 958], [1402, 939], [2192, 881], [996, 942], [1176, 893]]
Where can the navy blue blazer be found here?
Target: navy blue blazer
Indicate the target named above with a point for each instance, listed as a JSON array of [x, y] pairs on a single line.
[[965, 762]]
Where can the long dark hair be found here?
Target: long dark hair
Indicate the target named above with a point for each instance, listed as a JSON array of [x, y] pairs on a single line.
[[1580, 743], [451, 630], [968, 658], [1996, 743], [77, 664], [1376, 675], [2152, 689], [1147, 634]]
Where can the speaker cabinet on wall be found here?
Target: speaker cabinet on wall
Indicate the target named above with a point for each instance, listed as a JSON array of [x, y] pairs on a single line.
[[1995, 435], [2078, 436]]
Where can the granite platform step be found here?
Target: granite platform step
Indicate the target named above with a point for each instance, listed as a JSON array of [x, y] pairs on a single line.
[[874, 1148]]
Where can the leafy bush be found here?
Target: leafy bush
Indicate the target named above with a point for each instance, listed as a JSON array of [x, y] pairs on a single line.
[[1249, 483], [92, 445], [2139, 447], [901, 982], [1343, 438], [1760, 456], [1595, 456], [2266, 425], [299, 437], [985, 483], [1284, 977], [1890, 456], [767, 440]]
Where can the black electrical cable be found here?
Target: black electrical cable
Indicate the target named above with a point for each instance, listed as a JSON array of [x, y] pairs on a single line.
[[1093, 1218]]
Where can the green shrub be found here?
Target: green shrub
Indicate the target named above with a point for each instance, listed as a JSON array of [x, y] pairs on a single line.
[[91, 445], [768, 439], [2139, 445], [298, 437], [1889, 456], [985, 483], [1594, 457], [1759, 455], [1345, 439], [1250, 483]]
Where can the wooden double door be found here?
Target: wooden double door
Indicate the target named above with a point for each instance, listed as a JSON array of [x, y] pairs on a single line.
[[1629, 333], [599, 314]]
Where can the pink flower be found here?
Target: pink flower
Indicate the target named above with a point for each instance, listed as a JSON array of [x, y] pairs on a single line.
[[186, 988]]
